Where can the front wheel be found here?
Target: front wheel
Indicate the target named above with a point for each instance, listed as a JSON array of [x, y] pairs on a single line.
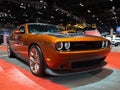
[[36, 61]]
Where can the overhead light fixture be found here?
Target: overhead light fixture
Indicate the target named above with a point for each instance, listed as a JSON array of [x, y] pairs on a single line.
[[81, 4], [93, 15], [115, 17], [113, 7], [41, 1], [52, 17], [89, 11], [44, 7], [111, 0], [22, 4], [8, 10], [28, 5], [114, 13], [5, 14], [97, 18], [56, 9]]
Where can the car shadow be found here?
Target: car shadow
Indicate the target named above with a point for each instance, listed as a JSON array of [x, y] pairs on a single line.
[[81, 79]]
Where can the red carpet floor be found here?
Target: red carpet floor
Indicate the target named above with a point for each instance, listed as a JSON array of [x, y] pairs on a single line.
[[113, 60], [13, 77]]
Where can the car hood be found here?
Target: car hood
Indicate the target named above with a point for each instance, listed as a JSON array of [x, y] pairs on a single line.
[[59, 37]]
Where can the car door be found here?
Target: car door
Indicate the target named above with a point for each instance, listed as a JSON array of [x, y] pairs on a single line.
[[22, 47]]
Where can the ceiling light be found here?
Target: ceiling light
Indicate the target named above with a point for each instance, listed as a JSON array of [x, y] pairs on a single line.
[[111, 0], [28, 5], [93, 15], [52, 17], [41, 1], [113, 7], [97, 18], [5, 14], [114, 13], [22, 4], [8, 10], [44, 7], [56, 9], [81, 4], [115, 17], [89, 11]]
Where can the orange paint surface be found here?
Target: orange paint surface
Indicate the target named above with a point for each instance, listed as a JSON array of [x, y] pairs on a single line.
[[13, 77]]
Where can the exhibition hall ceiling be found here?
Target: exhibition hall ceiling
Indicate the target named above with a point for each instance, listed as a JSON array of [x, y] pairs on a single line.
[[101, 12]]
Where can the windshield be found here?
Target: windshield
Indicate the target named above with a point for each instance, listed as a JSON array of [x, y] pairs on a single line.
[[38, 28]]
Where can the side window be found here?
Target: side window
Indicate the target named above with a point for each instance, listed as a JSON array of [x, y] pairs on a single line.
[[22, 30]]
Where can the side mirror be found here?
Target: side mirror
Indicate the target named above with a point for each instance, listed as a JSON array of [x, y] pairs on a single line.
[[17, 32]]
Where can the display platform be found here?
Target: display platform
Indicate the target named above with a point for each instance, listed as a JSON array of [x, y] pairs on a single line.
[[15, 75]]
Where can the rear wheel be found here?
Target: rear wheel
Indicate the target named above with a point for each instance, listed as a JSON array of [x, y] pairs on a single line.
[[36, 61], [10, 52]]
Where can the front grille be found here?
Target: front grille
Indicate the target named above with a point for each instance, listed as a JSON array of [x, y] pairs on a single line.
[[85, 64], [89, 45]]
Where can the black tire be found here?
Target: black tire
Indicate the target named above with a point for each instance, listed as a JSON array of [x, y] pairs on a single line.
[[10, 52], [116, 44], [36, 61]]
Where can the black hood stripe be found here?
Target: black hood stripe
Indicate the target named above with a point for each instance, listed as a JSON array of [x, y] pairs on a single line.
[[58, 35]]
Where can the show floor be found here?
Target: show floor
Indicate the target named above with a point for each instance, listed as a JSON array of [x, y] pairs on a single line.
[[15, 75]]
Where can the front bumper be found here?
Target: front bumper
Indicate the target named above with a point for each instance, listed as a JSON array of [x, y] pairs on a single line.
[[61, 73], [66, 60]]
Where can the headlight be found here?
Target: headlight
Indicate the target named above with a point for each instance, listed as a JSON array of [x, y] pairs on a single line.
[[67, 45], [59, 46]]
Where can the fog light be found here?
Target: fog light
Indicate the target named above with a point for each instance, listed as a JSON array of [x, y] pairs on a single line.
[[106, 43], [103, 44]]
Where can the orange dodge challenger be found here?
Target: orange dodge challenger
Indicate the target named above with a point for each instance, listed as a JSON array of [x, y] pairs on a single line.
[[48, 51]]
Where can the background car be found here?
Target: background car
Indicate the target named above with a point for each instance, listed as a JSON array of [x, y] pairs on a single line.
[[115, 40], [48, 51]]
